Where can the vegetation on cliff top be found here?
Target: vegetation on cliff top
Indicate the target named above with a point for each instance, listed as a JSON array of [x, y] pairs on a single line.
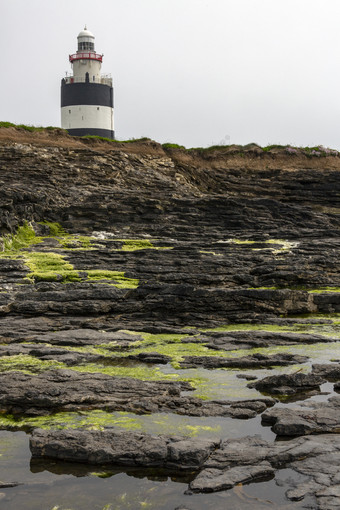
[[316, 151]]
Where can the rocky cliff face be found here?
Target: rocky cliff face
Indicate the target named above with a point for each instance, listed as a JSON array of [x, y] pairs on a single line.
[[146, 189], [246, 231], [143, 262]]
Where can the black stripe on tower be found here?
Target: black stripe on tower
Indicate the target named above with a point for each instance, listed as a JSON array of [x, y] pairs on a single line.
[[106, 133], [86, 93]]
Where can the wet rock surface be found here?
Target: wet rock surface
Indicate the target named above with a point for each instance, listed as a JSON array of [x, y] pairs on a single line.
[[121, 448], [288, 384], [241, 459], [66, 390], [220, 466], [252, 361], [310, 418]]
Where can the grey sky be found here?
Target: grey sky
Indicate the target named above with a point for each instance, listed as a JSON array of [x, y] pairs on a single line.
[[193, 72]]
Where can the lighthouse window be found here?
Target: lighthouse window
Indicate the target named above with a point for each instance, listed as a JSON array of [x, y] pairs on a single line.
[[86, 46]]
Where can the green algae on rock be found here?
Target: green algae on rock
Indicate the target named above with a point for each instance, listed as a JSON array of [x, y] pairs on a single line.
[[28, 364], [140, 244], [49, 266], [157, 423]]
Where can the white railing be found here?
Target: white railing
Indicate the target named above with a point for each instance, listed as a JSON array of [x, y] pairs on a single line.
[[104, 80]]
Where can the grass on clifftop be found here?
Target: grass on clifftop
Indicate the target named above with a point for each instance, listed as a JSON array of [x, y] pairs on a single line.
[[316, 151], [27, 127]]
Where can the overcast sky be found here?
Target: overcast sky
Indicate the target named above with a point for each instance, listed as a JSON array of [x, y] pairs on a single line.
[[193, 72]]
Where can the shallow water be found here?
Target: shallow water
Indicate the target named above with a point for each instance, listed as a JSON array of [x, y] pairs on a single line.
[[52, 485], [66, 486]]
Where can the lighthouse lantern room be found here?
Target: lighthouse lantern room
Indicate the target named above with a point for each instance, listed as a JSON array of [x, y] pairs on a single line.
[[87, 95]]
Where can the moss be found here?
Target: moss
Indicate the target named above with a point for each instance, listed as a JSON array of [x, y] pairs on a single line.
[[169, 345], [55, 229], [139, 371], [321, 290], [157, 423], [27, 364], [49, 266], [140, 244], [22, 239], [116, 278], [74, 242]]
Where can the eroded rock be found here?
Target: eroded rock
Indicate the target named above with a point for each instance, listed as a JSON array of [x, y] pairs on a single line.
[[67, 390], [121, 448], [311, 418], [252, 361], [288, 384]]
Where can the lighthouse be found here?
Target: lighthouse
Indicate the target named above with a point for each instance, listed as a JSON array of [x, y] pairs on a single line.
[[87, 95]]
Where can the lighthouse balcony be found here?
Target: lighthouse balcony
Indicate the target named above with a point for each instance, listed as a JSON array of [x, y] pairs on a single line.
[[103, 80], [86, 55]]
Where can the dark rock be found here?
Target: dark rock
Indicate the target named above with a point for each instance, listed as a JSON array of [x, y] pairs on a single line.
[[213, 480], [220, 466], [251, 361], [66, 390], [288, 384], [330, 372], [247, 377], [50, 353], [315, 456], [253, 339], [5, 485], [87, 337], [312, 418], [150, 357], [121, 448]]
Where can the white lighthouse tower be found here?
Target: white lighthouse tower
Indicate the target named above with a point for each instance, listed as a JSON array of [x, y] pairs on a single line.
[[87, 96]]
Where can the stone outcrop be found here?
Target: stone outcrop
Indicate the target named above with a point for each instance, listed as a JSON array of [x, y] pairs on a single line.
[[220, 250], [66, 390], [312, 418], [288, 384], [219, 466], [251, 361], [121, 448]]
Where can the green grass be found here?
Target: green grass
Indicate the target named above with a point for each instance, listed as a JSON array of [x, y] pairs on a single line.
[[56, 229], [14, 243], [172, 146], [27, 127], [131, 140], [274, 146]]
